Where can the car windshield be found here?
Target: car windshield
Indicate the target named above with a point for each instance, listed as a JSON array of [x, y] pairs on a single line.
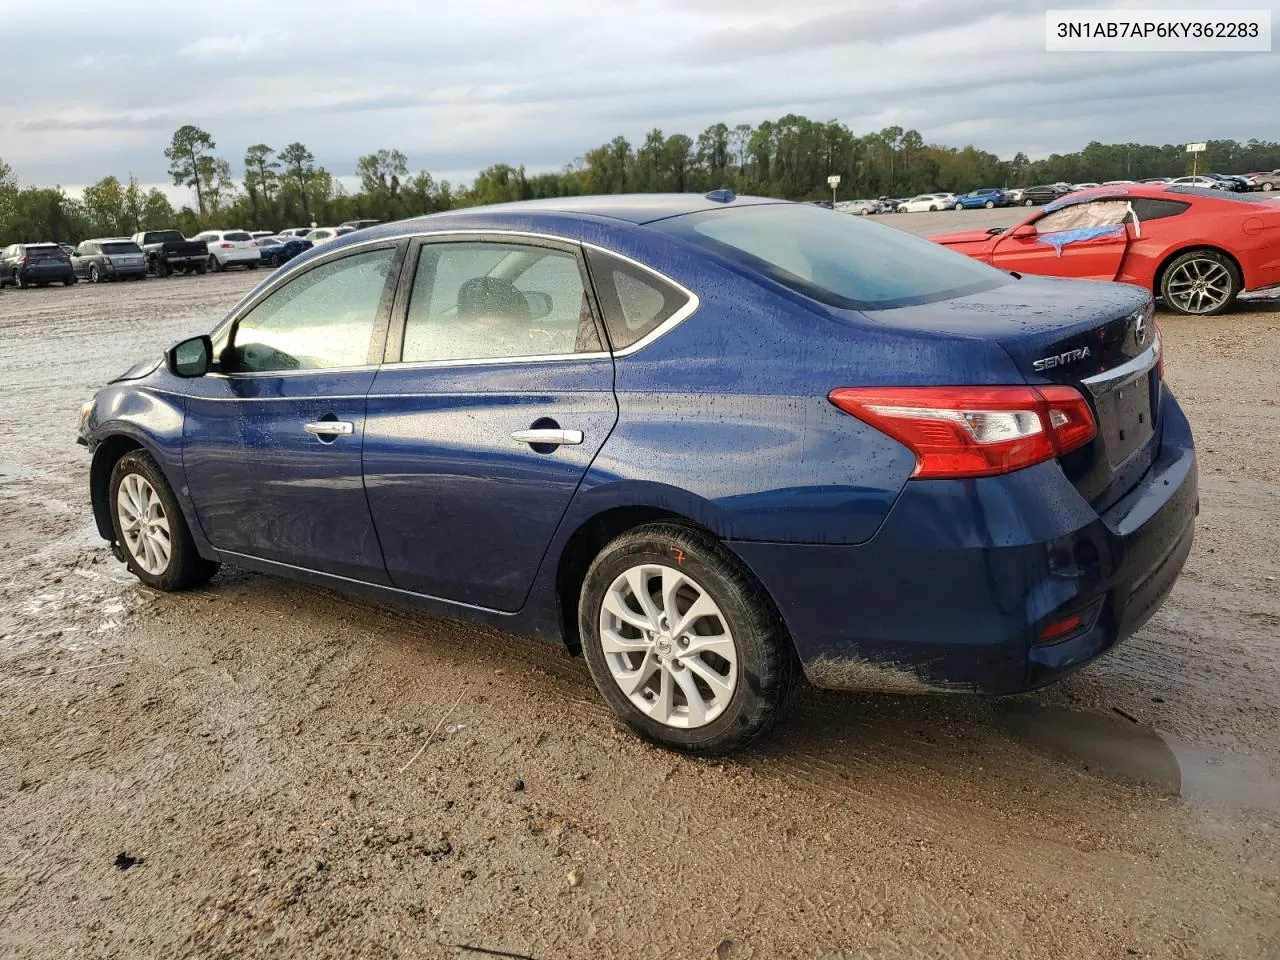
[[120, 248], [840, 261]]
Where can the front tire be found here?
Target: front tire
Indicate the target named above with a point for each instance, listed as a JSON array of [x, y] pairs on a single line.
[[1268, 187], [1028, 203], [150, 527], [682, 642], [958, 206]]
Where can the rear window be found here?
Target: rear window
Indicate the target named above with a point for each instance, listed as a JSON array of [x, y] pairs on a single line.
[[163, 236], [1220, 194], [43, 250], [113, 249], [840, 261], [236, 235]]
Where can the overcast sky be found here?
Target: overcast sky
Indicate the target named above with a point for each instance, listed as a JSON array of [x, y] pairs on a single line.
[[100, 87]]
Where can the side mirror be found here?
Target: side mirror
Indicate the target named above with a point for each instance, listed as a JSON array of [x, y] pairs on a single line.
[[190, 358], [1024, 231]]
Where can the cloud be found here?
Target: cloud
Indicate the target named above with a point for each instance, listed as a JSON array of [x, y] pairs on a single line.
[[231, 47], [460, 86]]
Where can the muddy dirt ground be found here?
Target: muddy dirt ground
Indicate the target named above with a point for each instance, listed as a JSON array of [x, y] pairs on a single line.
[[226, 772]]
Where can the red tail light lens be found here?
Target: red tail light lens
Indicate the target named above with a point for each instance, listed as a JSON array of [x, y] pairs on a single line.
[[225, 246], [974, 431]]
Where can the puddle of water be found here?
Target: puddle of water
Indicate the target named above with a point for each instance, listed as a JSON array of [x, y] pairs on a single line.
[[1114, 746]]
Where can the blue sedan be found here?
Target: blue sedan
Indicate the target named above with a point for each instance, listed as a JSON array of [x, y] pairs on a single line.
[[986, 197], [273, 251], [707, 442]]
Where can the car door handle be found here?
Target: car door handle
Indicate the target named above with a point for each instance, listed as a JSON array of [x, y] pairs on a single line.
[[330, 428], [551, 437]]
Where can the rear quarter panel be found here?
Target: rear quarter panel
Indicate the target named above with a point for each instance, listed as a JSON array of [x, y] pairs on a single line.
[[725, 418]]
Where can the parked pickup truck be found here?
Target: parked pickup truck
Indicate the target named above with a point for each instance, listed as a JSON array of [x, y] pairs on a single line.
[[169, 250]]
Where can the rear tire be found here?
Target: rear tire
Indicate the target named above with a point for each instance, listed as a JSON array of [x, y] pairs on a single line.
[[94, 275], [253, 265], [200, 269], [1028, 203], [1268, 187], [150, 528], [69, 281], [959, 206], [214, 264], [1201, 283], [989, 204], [740, 644]]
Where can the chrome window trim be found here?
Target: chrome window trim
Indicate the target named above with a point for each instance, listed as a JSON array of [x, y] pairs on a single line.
[[308, 371], [488, 361], [1126, 373], [251, 299]]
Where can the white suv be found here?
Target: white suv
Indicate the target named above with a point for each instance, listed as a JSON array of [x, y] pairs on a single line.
[[231, 248]]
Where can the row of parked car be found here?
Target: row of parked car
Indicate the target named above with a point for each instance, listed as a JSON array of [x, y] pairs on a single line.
[[159, 253], [1046, 193]]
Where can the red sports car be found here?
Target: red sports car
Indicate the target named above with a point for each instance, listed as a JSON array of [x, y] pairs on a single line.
[[1197, 249]]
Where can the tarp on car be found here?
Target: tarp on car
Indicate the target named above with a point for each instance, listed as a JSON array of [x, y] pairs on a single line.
[[1085, 220]]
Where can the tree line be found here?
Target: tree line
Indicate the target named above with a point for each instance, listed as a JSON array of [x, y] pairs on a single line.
[[789, 158]]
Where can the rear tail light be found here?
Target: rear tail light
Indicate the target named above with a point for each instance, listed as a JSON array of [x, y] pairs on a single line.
[[974, 431], [225, 246]]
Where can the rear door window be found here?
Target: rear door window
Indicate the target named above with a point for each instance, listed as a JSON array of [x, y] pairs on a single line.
[[475, 300]]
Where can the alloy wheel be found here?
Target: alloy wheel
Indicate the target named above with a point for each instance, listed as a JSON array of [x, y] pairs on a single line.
[[668, 646], [1199, 286], [143, 524]]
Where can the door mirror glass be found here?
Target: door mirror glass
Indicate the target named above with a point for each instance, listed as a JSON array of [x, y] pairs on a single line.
[[190, 358]]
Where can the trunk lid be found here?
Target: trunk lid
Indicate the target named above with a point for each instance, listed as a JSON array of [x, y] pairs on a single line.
[[1099, 338]]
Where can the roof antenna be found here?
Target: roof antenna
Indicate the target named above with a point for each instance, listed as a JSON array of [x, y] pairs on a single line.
[[723, 195]]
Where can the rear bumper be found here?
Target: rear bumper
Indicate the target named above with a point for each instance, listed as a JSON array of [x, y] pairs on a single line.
[[46, 274], [230, 257], [952, 592]]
